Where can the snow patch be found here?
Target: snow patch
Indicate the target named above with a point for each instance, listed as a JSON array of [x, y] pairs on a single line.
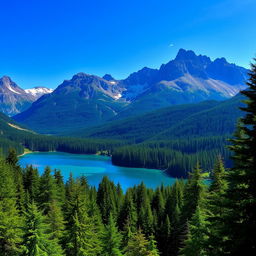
[[118, 96], [11, 89]]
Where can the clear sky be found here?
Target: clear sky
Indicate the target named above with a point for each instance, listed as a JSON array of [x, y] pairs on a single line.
[[43, 42]]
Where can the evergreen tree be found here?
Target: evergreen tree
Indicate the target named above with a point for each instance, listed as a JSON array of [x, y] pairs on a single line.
[[197, 236], [10, 221], [138, 245], [215, 208], [194, 192], [81, 236], [38, 240], [12, 160], [240, 224], [47, 190], [55, 221], [152, 247], [31, 183], [111, 239], [128, 213], [106, 199], [164, 239], [60, 187]]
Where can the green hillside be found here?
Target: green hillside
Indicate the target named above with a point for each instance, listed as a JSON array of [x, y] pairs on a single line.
[[13, 135], [173, 138]]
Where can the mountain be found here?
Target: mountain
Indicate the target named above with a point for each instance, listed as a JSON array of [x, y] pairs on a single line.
[[85, 100], [89, 100], [37, 92], [13, 99], [189, 78]]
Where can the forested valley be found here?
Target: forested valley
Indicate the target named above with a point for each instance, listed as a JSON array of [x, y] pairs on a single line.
[[43, 215]]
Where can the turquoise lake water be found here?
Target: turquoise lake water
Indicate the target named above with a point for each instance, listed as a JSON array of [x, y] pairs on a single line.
[[94, 167]]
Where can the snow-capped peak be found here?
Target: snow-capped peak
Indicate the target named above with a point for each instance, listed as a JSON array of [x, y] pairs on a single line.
[[38, 91]]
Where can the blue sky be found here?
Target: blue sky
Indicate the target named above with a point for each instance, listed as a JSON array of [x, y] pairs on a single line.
[[44, 42]]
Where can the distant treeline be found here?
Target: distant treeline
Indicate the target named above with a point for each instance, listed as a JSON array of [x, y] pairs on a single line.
[[176, 157]]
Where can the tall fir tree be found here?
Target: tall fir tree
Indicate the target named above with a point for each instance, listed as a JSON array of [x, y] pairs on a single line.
[[215, 208], [10, 221], [81, 237], [197, 236], [13, 161], [111, 239], [38, 241], [47, 191], [240, 224], [128, 213], [138, 245], [194, 193]]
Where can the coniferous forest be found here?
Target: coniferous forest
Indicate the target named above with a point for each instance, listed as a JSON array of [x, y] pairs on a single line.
[[43, 215]]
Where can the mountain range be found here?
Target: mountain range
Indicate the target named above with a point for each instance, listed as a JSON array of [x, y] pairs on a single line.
[[13, 99], [88, 100]]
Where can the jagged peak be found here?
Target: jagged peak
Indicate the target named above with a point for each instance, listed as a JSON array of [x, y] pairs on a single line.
[[221, 60], [185, 54], [108, 77], [6, 78]]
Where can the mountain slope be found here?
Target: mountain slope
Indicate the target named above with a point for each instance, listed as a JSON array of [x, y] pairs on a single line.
[[210, 118], [13, 99], [83, 101]]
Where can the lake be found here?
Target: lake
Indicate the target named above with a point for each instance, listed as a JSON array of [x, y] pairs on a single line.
[[94, 167]]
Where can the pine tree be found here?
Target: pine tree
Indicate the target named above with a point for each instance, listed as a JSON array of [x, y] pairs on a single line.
[[138, 245], [55, 221], [37, 239], [31, 183], [111, 239], [240, 224], [215, 208], [81, 236], [197, 236], [13, 161], [194, 192], [106, 199], [60, 187], [164, 239], [47, 190], [10, 221], [128, 213], [152, 247]]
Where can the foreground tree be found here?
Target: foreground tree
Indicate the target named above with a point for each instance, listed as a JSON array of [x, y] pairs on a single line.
[[197, 236], [10, 221], [111, 239], [38, 240], [240, 220], [215, 208], [138, 245]]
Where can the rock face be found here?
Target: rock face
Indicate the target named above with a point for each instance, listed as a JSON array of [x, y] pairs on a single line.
[[13, 99], [88, 100]]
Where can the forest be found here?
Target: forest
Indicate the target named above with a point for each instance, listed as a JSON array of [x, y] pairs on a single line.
[[43, 215]]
